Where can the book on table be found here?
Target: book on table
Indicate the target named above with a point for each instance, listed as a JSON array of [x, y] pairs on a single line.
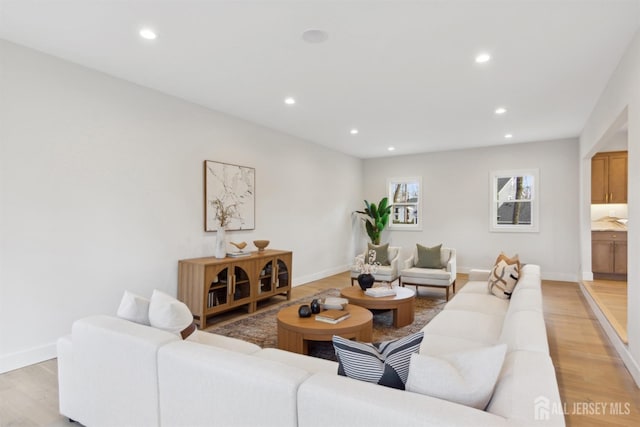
[[332, 316]]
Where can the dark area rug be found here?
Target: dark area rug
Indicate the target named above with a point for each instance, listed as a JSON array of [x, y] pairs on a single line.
[[261, 328]]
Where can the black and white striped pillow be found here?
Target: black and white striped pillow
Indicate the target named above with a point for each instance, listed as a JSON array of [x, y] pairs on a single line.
[[385, 363]]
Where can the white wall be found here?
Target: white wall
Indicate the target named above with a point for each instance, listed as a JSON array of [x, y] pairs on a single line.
[[619, 103], [456, 203], [101, 191]]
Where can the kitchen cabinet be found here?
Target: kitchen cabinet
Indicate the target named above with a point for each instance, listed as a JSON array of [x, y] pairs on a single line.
[[609, 255], [609, 177]]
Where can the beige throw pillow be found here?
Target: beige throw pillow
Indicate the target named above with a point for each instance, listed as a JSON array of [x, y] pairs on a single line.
[[166, 312], [503, 279]]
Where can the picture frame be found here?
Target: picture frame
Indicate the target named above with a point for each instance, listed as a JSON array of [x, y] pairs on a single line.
[[232, 187]]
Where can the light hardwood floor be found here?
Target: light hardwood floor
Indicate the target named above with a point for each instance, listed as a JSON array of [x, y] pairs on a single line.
[[611, 297], [588, 369]]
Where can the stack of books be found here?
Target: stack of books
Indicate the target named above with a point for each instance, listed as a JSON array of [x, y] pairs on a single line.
[[380, 292], [332, 316]]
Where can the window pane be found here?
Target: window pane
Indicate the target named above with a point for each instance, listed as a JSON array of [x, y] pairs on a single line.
[[513, 212], [514, 188]]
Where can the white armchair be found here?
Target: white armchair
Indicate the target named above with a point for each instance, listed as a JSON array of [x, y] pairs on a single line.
[[385, 273], [444, 277]]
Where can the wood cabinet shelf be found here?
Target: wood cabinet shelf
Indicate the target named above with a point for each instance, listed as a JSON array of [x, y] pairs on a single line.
[[209, 286]]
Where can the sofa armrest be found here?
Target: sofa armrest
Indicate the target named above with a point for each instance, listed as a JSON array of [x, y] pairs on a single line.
[[452, 267], [358, 403], [409, 262], [67, 394], [394, 265], [476, 275]]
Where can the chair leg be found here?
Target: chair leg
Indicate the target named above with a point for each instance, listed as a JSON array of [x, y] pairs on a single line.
[[454, 286], [447, 290], [352, 279]]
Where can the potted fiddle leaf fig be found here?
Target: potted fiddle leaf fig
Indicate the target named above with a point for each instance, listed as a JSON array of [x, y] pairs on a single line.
[[376, 218]]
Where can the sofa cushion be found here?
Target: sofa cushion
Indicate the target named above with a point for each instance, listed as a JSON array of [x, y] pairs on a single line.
[[385, 363], [503, 279], [527, 379], [426, 273], [525, 330], [134, 308], [466, 377], [428, 257], [381, 252], [467, 325], [435, 344], [474, 287], [481, 303], [169, 314]]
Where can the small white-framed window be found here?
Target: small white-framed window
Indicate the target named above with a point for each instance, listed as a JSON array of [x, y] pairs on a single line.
[[405, 198], [514, 200]]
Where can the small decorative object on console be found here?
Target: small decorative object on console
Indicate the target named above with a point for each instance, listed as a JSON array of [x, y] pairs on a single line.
[[261, 244]]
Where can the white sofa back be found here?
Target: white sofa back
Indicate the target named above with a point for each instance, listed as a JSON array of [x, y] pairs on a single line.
[[109, 372]]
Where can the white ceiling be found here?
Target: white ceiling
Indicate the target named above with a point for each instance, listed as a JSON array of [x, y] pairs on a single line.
[[402, 72]]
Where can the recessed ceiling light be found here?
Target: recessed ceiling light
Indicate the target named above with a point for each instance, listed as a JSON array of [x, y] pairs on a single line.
[[289, 101], [147, 33], [313, 35], [500, 110], [353, 131], [391, 148], [508, 136], [481, 58]]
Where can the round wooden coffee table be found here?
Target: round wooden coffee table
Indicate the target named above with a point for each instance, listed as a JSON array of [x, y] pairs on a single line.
[[295, 332], [403, 303]]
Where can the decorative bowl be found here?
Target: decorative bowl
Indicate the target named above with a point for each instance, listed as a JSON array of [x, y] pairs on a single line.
[[261, 244], [333, 303]]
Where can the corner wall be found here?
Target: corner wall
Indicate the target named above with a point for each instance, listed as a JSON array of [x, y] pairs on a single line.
[[456, 197], [619, 102], [101, 190]]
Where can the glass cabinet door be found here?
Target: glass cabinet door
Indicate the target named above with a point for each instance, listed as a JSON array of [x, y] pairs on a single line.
[[282, 280], [218, 281], [266, 278], [241, 284]]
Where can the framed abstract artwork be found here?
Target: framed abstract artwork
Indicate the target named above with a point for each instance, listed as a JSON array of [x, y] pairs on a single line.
[[229, 195]]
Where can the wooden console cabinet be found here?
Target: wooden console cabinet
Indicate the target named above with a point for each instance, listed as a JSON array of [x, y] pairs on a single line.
[[210, 285], [609, 177], [609, 255]]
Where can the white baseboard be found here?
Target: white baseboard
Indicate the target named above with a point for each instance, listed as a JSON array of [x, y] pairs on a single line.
[[621, 347], [587, 275], [20, 359], [297, 281]]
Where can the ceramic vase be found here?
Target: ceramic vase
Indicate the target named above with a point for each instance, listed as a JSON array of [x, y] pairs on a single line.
[[366, 281], [221, 243], [315, 306]]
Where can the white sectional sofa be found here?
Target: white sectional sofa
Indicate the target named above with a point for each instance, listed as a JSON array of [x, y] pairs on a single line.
[[113, 372]]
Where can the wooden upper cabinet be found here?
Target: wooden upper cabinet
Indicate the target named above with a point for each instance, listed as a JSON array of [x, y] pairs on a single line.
[[609, 177]]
